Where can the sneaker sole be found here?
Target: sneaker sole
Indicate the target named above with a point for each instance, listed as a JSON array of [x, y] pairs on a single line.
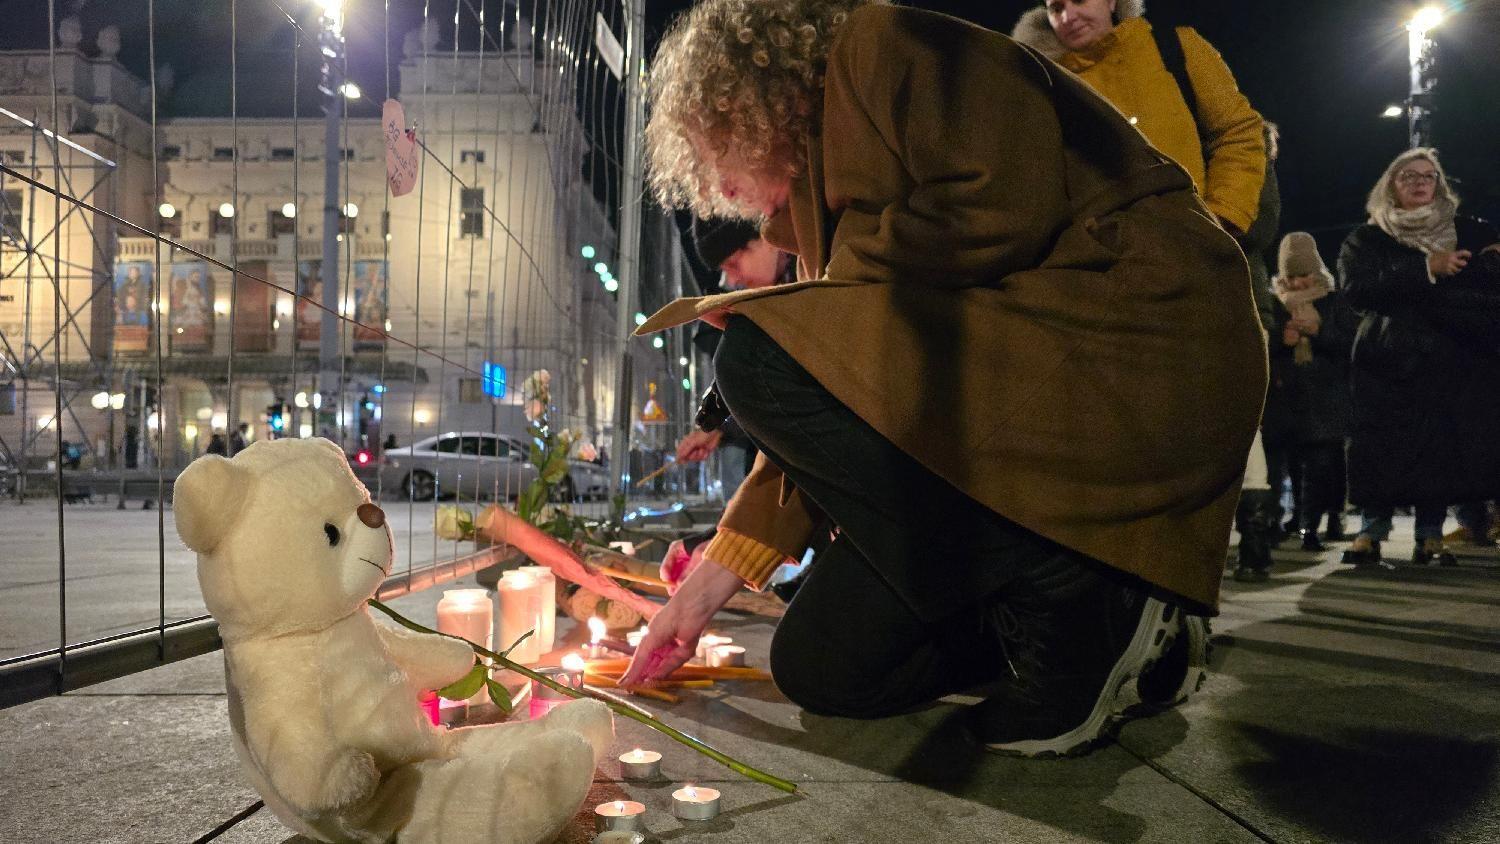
[[1153, 636], [1200, 648]]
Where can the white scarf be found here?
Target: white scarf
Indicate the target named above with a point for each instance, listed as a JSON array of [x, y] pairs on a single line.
[[1427, 229]]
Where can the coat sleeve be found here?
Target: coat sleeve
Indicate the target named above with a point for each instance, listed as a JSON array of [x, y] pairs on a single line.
[[1335, 338], [762, 527], [1234, 144], [970, 119], [1384, 280]]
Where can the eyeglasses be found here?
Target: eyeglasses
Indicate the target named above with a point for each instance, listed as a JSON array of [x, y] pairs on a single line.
[[1412, 177]]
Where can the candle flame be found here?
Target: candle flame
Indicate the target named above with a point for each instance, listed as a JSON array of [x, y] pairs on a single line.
[[573, 663], [692, 792], [596, 630], [620, 806]]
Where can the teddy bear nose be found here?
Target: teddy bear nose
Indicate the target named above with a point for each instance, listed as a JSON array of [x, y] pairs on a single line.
[[371, 515]]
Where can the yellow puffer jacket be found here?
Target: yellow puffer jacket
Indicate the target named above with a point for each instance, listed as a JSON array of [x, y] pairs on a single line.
[[1126, 69]]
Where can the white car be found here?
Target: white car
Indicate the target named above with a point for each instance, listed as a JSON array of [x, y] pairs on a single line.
[[478, 464]]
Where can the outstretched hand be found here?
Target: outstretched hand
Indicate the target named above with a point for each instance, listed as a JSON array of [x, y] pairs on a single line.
[[672, 637]]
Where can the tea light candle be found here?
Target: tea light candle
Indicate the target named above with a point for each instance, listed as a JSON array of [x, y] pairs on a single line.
[[544, 698], [640, 764], [546, 587], [619, 816], [693, 803], [620, 836], [727, 656], [519, 604], [634, 637], [709, 641]]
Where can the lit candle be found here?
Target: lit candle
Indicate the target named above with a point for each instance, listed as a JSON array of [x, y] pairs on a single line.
[[640, 764], [429, 703], [467, 613], [695, 804], [574, 666], [620, 836], [544, 698], [518, 601], [634, 637], [546, 587], [709, 641], [726, 656], [619, 816], [596, 632]]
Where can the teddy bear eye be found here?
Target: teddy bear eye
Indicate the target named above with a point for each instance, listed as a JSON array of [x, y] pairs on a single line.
[[333, 534]]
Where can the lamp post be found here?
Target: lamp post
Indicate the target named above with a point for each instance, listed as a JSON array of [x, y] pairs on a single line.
[[1423, 59], [331, 44]]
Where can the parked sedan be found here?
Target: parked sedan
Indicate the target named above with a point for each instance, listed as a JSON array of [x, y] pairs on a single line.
[[476, 464]]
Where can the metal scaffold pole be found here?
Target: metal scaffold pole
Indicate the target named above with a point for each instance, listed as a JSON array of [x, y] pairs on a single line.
[[630, 230]]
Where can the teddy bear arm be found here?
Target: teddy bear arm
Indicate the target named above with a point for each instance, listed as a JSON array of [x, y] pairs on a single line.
[[430, 662], [306, 766]]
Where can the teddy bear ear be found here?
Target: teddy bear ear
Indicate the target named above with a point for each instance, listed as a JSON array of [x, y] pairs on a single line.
[[207, 499]]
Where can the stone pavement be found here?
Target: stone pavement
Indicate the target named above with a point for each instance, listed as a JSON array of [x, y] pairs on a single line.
[[1344, 706]]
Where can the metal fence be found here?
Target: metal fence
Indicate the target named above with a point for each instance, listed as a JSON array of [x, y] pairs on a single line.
[[193, 261]]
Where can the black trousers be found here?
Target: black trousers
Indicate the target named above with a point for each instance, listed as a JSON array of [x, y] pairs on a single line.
[[1322, 482], [893, 612]]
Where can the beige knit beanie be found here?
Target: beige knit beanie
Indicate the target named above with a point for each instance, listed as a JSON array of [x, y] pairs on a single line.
[[1299, 256]]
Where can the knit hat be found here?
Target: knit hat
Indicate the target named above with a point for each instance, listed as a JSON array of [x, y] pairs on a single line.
[[716, 240], [1299, 256]]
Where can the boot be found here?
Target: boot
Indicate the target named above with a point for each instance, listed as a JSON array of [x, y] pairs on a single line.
[[1256, 522], [1364, 552], [1310, 541], [1432, 549], [1335, 532]]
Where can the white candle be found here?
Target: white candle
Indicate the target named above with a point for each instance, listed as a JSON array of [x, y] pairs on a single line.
[[709, 641], [596, 632], [726, 656], [518, 601], [546, 585], [640, 764], [466, 613], [618, 815], [695, 803]]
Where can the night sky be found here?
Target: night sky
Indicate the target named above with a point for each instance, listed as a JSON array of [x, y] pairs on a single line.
[[1322, 69]]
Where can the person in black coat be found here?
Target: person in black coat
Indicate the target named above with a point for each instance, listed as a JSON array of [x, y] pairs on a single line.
[[1310, 348], [1426, 359]]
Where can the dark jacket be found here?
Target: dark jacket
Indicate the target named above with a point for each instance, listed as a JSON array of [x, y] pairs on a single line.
[[1316, 393], [1426, 371]]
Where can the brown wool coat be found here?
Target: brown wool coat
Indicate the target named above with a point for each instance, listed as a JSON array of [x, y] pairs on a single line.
[[1010, 284]]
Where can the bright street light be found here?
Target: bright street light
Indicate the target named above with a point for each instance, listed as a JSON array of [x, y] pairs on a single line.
[[117, 401], [1425, 21], [682, 361], [657, 342], [611, 285], [351, 210], [226, 211], [167, 210], [100, 401], [289, 210], [1392, 112], [350, 90], [587, 252], [601, 268], [640, 318]]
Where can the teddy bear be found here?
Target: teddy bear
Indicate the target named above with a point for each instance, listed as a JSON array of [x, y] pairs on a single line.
[[323, 701]]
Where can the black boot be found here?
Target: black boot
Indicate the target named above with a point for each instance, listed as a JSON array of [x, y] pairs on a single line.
[[1335, 532], [1310, 541], [1365, 552], [1256, 522]]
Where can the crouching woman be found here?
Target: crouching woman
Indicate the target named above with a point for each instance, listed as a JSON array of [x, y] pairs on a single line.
[[1019, 377]]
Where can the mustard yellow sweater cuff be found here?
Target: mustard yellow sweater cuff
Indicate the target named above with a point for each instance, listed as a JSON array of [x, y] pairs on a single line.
[[752, 561]]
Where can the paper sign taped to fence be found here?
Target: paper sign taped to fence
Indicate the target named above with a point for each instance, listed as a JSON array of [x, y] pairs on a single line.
[[400, 149], [609, 46]]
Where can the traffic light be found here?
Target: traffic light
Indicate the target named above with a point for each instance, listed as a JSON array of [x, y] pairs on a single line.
[[276, 418]]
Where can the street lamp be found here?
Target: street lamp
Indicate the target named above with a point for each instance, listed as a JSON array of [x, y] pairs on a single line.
[[1423, 60], [1392, 112], [167, 210]]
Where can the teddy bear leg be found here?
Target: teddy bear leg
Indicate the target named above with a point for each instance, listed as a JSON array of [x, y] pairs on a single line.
[[524, 797]]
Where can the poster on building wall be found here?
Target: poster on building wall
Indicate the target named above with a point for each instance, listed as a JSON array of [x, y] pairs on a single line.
[[191, 315], [133, 296], [309, 296], [252, 307], [370, 291]]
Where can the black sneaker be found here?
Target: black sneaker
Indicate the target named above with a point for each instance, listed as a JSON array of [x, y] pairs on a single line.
[[1072, 653], [1365, 552]]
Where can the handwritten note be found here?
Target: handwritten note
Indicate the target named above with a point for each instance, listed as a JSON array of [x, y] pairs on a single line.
[[400, 149]]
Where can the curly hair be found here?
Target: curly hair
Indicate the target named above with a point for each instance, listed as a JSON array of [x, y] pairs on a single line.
[[741, 76]]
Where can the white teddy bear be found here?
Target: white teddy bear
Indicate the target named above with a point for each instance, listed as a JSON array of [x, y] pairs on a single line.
[[323, 702]]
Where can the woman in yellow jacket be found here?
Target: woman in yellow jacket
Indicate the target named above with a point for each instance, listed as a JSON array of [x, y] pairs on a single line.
[[1224, 150]]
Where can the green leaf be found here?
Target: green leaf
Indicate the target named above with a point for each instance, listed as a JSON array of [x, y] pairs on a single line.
[[529, 503], [513, 645], [468, 685], [538, 456], [500, 695]]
